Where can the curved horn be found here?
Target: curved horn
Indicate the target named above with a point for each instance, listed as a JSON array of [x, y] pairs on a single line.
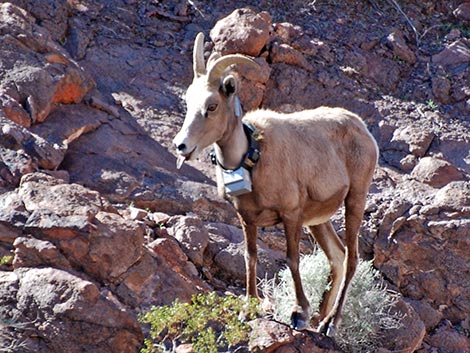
[[199, 66], [218, 67]]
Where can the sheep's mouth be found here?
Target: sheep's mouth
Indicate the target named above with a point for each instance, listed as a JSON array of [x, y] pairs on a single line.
[[184, 157]]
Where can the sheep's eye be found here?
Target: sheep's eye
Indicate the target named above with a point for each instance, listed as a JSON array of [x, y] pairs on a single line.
[[211, 107]]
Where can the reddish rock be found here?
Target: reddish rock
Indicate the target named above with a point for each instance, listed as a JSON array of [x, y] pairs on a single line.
[[38, 150], [191, 234], [38, 82], [288, 32], [462, 12], [448, 340], [164, 275], [115, 245], [253, 84], [455, 54], [454, 196], [137, 214], [226, 254], [441, 88], [14, 111], [273, 337], [413, 258], [47, 305], [409, 336], [413, 139], [42, 192], [32, 252], [428, 315], [381, 71], [243, 31], [400, 48], [436, 172], [284, 53], [266, 336]]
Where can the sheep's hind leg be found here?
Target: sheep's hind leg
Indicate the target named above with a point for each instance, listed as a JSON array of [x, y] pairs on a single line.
[[354, 212], [333, 248]]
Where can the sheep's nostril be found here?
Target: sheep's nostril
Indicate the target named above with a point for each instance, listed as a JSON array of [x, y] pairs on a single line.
[[181, 147]]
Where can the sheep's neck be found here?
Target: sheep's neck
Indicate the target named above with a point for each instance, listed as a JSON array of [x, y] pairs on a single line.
[[233, 146]]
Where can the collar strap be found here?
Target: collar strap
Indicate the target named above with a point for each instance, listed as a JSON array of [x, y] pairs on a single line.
[[252, 156]]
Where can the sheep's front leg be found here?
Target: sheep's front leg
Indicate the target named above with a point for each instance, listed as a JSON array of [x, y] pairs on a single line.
[[301, 312], [251, 258]]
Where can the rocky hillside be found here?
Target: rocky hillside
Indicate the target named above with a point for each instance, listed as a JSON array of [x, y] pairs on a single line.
[[96, 223]]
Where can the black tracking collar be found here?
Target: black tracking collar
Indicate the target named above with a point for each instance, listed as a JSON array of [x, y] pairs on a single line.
[[252, 156]]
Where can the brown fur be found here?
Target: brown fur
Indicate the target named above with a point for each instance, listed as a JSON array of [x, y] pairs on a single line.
[[311, 162]]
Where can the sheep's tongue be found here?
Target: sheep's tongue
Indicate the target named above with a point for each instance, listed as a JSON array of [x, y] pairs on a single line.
[[179, 161]]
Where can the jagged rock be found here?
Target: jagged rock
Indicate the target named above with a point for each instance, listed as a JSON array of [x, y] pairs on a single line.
[[137, 214], [46, 306], [227, 251], [441, 88], [420, 233], [53, 15], [413, 139], [455, 54], [454, 196], [428, 315], [163, 274], [40, 81], [42, 192], [191, 234], [253, 84], [70, 220], [243, 31], [462, 12], [117, 171], [284, 53], [400, 48], [409, 336], [267, 335], [413, 256], [32, 252], [288, 32], [436, 172], [42, 153], [449, 340], [382, 71]]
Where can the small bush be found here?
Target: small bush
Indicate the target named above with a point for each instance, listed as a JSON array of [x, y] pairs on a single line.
[[211, 323], [6, 260], [367, 311]]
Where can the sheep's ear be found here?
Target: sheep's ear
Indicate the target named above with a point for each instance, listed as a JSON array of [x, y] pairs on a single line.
[[229, 85]]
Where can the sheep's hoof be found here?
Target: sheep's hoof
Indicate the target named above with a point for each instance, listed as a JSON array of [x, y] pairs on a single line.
[[326, 328], [331, 331], [298, 322]]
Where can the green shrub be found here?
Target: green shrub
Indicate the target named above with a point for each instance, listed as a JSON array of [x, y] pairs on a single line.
[[6, 260], [211, 323], [367, 311]]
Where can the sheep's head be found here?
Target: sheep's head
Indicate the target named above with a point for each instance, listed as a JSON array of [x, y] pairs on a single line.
[[210, 101]]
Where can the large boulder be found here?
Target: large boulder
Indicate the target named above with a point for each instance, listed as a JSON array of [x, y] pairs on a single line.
[[243, 31], [46, 75], [50, 310], [163, 274], [421, 248], [436, 172]]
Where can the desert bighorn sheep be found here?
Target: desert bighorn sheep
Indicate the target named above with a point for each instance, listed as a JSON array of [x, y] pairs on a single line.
[[310, 163]]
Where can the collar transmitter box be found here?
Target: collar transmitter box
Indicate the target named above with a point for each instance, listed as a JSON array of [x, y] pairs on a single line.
[[237, 182]]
